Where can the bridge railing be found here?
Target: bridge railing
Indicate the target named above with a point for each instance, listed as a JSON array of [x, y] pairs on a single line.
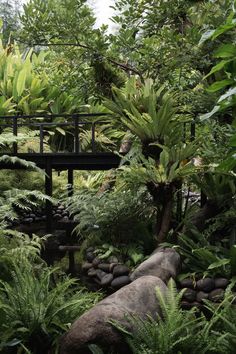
[[76, 121]]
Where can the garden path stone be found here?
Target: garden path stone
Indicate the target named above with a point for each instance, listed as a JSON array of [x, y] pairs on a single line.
[[163, 263], [138, 298]]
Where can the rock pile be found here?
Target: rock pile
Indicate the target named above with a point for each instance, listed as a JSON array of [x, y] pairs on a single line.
[[39, 215], [138, 298], [107, 274], [202, 289]]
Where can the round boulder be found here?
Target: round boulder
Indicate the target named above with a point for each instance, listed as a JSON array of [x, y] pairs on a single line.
[[94, 327], [163, 263]]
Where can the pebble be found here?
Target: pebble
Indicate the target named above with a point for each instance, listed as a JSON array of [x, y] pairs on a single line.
[[90, 256], [106, 280], [186, 283], [104, 266], [206, 285], [120, 281], [120, 269], [86, 266], [216, 295], [96, 261], [221, 283], [113, 259], [100, 274], [92, 272], [201, 295], [190, 295]]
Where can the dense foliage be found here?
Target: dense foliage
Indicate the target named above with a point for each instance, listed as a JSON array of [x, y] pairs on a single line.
[[165, 81]]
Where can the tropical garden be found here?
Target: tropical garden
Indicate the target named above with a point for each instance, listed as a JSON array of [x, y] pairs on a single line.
[[163, 83]]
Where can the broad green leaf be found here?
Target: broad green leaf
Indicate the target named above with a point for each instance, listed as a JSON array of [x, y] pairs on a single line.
[[218, 85], [20, 86], [226, 51], [218, 67], [219, 263], [61, 131]]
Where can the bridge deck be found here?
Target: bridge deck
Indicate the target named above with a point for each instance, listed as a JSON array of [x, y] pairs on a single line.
[[67, 161]]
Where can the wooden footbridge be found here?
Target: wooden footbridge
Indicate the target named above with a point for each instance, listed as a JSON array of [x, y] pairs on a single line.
[[71, 159]]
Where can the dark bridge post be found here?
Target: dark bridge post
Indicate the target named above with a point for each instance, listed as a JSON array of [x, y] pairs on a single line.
[[48, 191]]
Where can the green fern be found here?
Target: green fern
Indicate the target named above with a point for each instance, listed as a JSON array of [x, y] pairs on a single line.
[[37, 311], [15, 200], [177, 331]]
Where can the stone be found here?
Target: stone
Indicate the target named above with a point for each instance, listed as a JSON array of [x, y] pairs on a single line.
[[201, 295], [90, 249], [106, 280], [28, 220], [56, 216], [186, 283], [205, 284], [96, 261], [104, 266], [186, 305], [120, 269], [32, 215], [92, 272], [164, 264], [60, 207], [221, 283], [118, 282], [196, 304], [100, 274], [111, 267], [90, 257], [216, 295], [113, 259], [190, 295], [86, 266], [138, 298]]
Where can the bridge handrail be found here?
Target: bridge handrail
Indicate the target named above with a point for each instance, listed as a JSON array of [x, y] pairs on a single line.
[[75, 122]]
